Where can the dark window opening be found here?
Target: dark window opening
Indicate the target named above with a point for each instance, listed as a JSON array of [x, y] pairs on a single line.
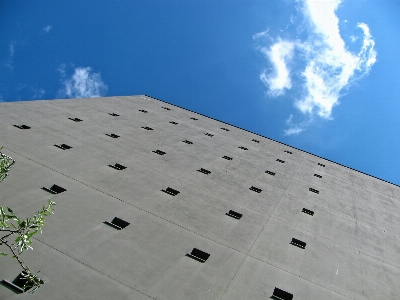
[[307, 211], [117, 167], [194, 119], [198, 255], [114, 136], [208, 134], [281, 295], [166, 108], [18, 283], [322, 165], [316, 175], [243, 148], [55, 189], [225, 129], [75, 119], [63, 146], [298, 243], [281, 161], [113, 114], [147, 128], [257, 141], [22, 126], [172, 122], [227, 157], [288, 152], [117, 223], [159, 152], [254, 189], [187, 142], [171, 191], [234, 214], [313, 190], [270, 173], [143, 111], [204, 171]]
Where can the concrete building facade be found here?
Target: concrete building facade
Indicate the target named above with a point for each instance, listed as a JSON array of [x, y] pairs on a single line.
[[158, 202]]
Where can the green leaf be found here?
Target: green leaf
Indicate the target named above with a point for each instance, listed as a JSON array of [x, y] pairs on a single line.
[[3, 254], [10, 210]]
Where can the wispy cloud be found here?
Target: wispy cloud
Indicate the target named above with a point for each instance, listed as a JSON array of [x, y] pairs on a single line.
[[9, 63], [83, 83], [327, 66], [47, 29], [38, 93]]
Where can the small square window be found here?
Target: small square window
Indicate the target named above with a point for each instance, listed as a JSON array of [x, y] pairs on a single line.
[[322, 165], [208, 134], [187, 142], [234, 214], [63, 146], [227, 157], [194, 119], [147, 128], [254, 189], [55, 189], [159, 152], [171, 191], [114, 136], [281, 161], [288, 152], [113, 114], [143, 111], [117, 167], [243, 148], [75, 119], [270, 173], [313, 190], [198, 255], [307, 211], [225, 129], [316, 175], [22, 126], [204, 171], [256, 141], [166, 108], [281, 295], [298, 243], [117, 223], [172, 122]]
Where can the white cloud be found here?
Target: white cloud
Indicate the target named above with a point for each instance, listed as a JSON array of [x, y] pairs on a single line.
[[47, 28], [261, 34], [82, 84], [38, 93], [9, 63]]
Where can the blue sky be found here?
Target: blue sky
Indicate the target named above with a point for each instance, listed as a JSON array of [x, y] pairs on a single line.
[[322, 76]]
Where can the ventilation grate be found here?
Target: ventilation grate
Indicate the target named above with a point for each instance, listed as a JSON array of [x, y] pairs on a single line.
[[254, 189], [298, 243], [147, 128], [227, 157], [187, 142], [166, 108], [270, 173], [114, 136], [307, 211], [22, 126], [172, 122], [243, 148], [322, 165], [55, 189], [208, 134], [198, 255], [75, 119], [63, 146], [281, 161], [113, 114], [171, 191], [256, 141], [313, 190], [281, 295], [288, 152], [117, 223], [234, 214], [117, 167], [204, 171], [159, 152], [225, 129], [316, 175], [143, 111]]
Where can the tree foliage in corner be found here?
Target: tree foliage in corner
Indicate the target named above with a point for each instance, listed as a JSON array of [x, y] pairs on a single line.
[[22, 231]]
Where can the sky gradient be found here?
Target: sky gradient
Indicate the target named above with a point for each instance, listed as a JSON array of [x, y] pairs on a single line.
[[321, 76]]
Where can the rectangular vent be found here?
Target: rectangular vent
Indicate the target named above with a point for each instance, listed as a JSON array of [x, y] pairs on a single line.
[[254, 189], [75, 119], [114, 136], [172, 122], [307, 211], [63, 146], [288, 152], [243, 148], [298, 243], [270, 173], [171, 191], [114, 115], [117, 167], [22, 126], [159, 152], [194, 119], [198, 255], [166, 108], [281, 161], [204, 171], [234, 214], [225, 129], [143, 111], [147, 128], [55, 189], [281, 295], [187, 142], [322, 165], [256, 141], [316, 175], [313, 190], [118, 223], [208, 134], [227, 157]]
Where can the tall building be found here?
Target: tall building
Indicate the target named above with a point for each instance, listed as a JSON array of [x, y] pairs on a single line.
[[158, 202]]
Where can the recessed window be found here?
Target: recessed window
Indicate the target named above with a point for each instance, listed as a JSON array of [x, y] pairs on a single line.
[[313, 190], [281, 161], [117, 167], [307, 211], [281, 295], [254, 189], [171, 191], [208, 134], [225, 129], [322, 165], [172, 122], [288, 152], [256, 141], [316, 175], [114, 136], [204, 171], [113, 114], [147, 128], [143, 111], [187, 142], [298, 243], [118, 223], [270, 173], [234, 214], [159, 152], [227, 157], [194, 119], [75, 119], [22, 126], [166, 108], [63, 146], [18, 284], [243, 148], [55, 189], [198, 255]]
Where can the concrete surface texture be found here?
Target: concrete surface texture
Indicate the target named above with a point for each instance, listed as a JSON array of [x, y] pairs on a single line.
[[349, 221]]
